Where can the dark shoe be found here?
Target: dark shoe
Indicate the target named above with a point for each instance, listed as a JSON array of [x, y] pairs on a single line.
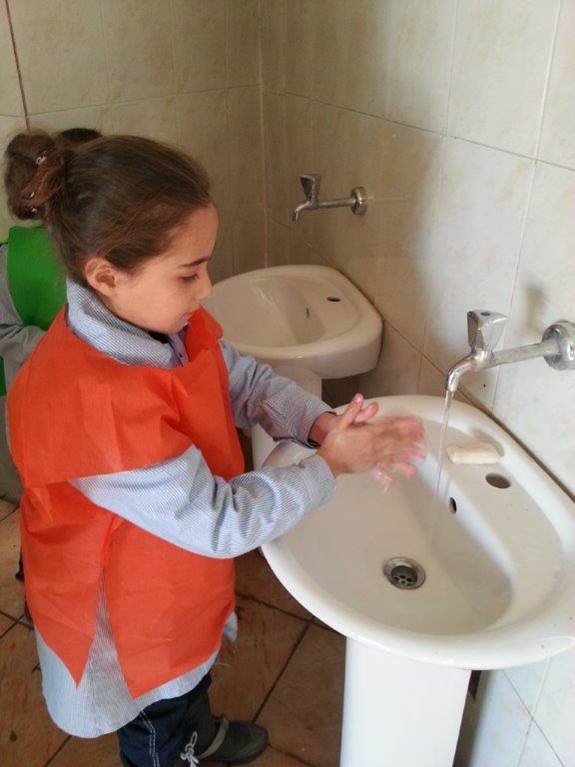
[[234, 743]]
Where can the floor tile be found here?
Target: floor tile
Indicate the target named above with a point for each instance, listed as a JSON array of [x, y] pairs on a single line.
[[273, 758], [27, 735], [11, 589], [97, 752], [5, 624], [255, 578], [303, 713], [246, 670], [6, 507]]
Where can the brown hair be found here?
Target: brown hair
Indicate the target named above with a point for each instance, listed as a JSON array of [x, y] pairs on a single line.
[[118, 197]]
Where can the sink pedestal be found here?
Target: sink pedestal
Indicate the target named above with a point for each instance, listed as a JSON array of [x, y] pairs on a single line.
[[399, 711]]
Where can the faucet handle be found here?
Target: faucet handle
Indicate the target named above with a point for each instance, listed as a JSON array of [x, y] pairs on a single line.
[[310, 183], [484, 329]]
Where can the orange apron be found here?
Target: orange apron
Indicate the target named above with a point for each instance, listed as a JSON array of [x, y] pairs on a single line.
[[76, 412]]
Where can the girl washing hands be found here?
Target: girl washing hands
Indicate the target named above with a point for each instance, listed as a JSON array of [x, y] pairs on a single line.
[[123, 428]]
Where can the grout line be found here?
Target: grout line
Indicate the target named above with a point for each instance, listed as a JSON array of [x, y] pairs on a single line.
[[57, 751], [452, 67], [263, 135], [513, 293], [284, 667], [413, 126], [11, 617], [250, 598], [547, 79], [17, 61], [113, 104]]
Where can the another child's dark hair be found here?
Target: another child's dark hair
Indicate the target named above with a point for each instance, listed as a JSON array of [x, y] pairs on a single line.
[[118, 197]]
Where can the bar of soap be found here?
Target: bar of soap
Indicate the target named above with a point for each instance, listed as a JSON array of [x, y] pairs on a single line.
[[473, 452]]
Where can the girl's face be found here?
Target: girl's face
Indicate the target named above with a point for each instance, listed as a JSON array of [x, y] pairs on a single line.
[[164, 293]]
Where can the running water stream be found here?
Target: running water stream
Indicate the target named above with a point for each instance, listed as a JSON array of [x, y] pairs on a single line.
[[437, 504]]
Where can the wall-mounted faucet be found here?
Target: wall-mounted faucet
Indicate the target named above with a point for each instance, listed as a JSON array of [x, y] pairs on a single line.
[[484, 330], [310, 182]]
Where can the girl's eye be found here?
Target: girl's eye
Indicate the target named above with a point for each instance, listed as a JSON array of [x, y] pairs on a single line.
[[191, 278]]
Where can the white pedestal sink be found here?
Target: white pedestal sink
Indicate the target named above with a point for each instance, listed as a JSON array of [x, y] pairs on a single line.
[[499, 585], [307, 322], [304, 316]]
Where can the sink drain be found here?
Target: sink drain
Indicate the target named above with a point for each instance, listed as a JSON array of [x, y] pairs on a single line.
[[404, 573]]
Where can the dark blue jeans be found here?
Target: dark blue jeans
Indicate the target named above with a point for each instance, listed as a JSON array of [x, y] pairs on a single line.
[[157, 736]]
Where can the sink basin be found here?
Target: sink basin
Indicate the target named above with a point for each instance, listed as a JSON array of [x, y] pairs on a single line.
[[499, 585], [306, 316]]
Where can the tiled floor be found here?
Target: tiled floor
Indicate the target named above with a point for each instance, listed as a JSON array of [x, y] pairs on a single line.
[[285, 671]]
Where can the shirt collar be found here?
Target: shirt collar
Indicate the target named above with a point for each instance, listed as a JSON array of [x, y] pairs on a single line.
[[92, 321]]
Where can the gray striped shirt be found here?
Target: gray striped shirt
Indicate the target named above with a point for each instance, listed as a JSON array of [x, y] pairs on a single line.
[[181, 501]]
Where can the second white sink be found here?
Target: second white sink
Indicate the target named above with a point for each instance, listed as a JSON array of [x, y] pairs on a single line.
[[303, 315]]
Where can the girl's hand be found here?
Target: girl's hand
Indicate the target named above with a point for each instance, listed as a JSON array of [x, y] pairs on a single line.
[[322, 426], [387, 446]]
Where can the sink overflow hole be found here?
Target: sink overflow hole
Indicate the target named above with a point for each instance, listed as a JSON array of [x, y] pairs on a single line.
[[404, 573], [453, 505], [498, 480], [334, 299]]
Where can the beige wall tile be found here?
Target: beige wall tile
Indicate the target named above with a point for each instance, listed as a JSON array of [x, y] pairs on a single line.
[[275, 149], [365, 56], [397, 369], [300, 47], [274, 45], [202, 123], [472, 257], [9, 126], [410, 172], [62, 53], [139, 48], [199, 37], [83, 117], [28, 735], [310, 690], [534, 401], [244, 147], [328, 50], [243, 42], [419, 37], [153, 118], [501, 58], [431, 379], [248, 238], [10, 96], [278, 244], [558, 136], [222, 262]]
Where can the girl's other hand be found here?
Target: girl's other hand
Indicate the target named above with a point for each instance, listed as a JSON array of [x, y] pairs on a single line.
[[386, 446]]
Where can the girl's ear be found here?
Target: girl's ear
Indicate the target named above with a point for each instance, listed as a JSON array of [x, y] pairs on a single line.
[[102, 276]]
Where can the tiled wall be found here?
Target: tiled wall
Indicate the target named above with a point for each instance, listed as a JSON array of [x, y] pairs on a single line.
[[458, 117], [182, 71]]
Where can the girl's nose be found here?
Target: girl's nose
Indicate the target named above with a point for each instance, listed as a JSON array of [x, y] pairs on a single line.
[[206, 288]]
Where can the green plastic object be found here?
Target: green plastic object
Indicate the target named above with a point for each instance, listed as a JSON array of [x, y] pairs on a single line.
[[36, 279]]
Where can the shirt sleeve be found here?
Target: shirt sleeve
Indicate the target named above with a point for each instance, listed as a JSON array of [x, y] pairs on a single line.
[[182, 502], [17, 341], [261, 396]]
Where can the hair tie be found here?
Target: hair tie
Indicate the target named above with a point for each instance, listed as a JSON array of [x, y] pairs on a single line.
[[42, 157]]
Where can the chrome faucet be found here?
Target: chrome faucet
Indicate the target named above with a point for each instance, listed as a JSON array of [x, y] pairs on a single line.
[[310, 182], [484, 329]]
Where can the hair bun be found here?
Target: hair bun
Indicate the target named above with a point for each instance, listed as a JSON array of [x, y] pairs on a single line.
[[48, 181]]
